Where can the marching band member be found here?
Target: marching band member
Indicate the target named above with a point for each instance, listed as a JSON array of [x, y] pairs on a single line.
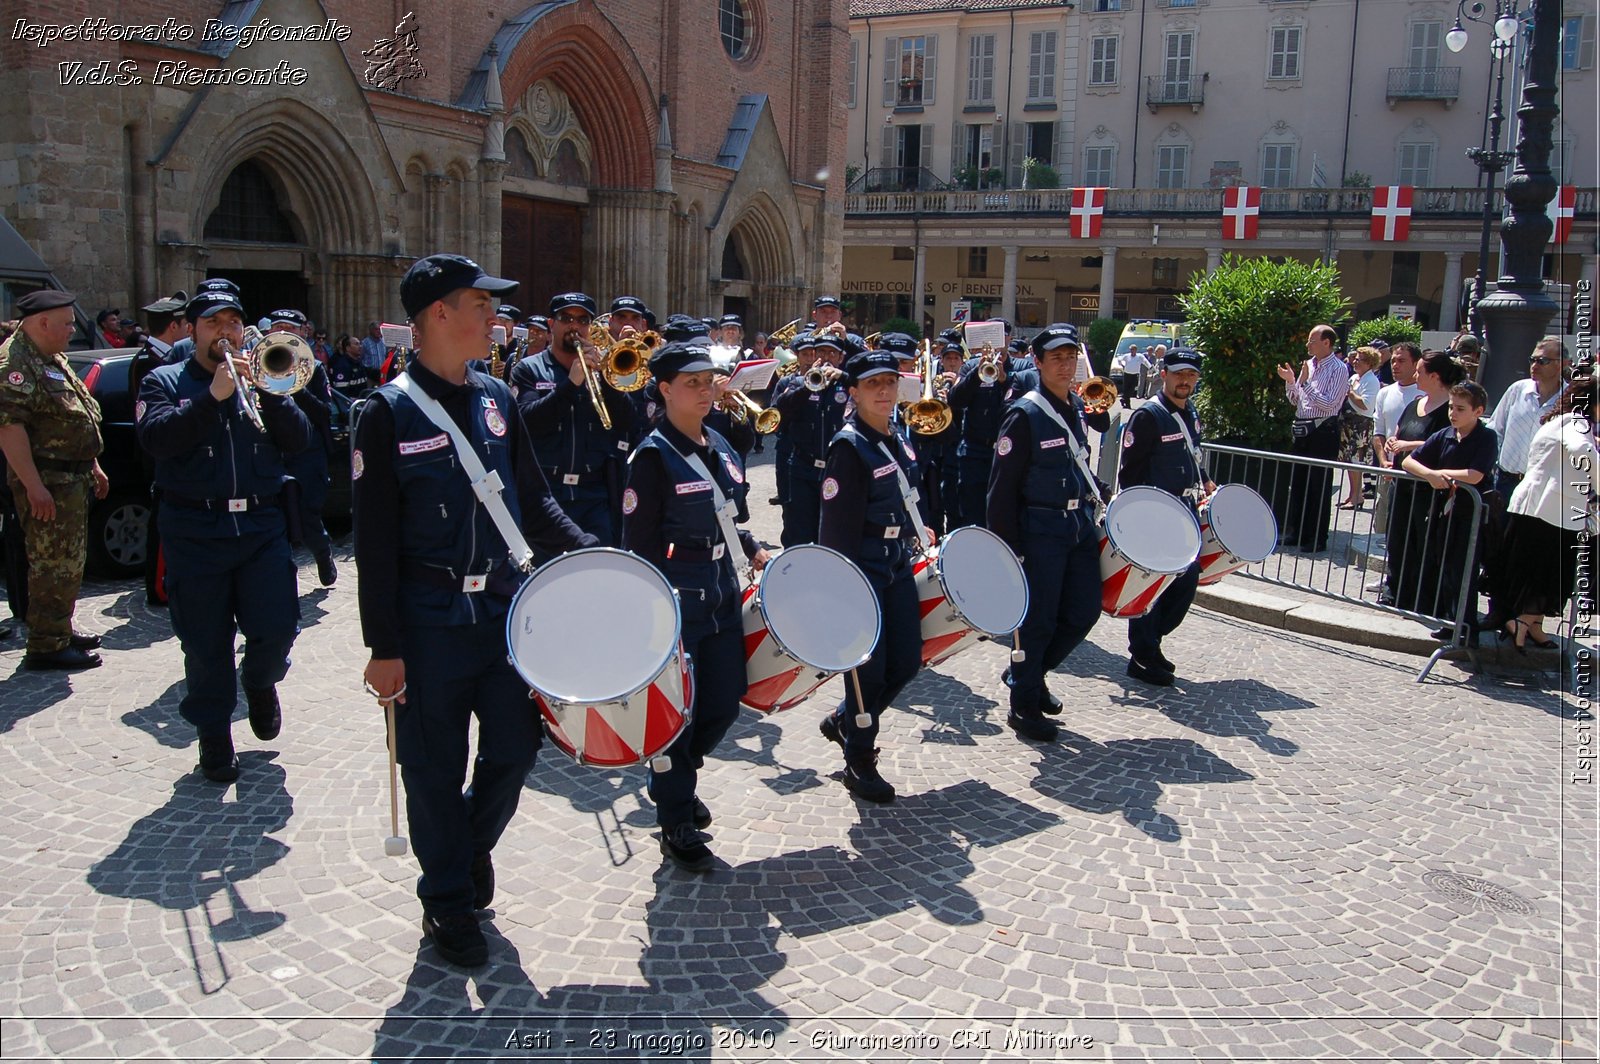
[[222, 527], [814, 417], [581, 458], [628, 314], [826, 311], [686, 486], [868, 516], [783, 447], [309, 467], [1161, 448], [435, 585], [938, 451], [1043, 502], [979, 406]]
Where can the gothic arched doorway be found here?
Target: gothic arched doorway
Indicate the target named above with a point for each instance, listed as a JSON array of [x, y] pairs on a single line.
[[251, 223]]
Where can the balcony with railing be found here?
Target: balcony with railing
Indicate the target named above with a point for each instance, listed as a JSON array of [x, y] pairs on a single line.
[[1424, 83], [1161, 91], [1137, 203]]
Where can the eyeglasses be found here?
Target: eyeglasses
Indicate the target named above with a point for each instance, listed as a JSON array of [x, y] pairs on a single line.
[[562, 319], [1542, 360]]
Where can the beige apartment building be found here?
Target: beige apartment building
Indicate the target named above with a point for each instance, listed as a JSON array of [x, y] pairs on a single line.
[[971, 123]]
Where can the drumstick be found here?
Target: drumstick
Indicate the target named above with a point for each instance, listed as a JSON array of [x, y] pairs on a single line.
[[1017, 653], [395, 844], [863, 718]]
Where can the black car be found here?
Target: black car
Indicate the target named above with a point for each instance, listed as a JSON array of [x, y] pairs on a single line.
[[117, 522]]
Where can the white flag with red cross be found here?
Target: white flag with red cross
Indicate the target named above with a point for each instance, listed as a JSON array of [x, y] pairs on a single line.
[[1391, 212], [1088, 206], [1241, 209], [1562, 209]]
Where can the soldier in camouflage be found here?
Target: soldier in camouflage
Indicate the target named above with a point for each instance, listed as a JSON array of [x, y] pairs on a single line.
[[50, 433]]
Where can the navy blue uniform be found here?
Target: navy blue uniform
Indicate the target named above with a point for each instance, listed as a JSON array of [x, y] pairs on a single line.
[[223, 531], [581, 459], [813, 420], [864, 517], [979, 406], [1156, 452], [420, 532], [669, 519], [310, 467], [1042, 505]]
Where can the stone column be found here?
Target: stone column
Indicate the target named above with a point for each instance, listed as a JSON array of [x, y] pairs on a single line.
[[1450, 298], [1008, 296], [435, 210], [1108, 280], [919, 275], [1213, 259], [490, 186]]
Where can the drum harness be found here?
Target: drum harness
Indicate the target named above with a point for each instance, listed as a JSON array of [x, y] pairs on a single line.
[[1079, 454], [725, 506], [487, 486]]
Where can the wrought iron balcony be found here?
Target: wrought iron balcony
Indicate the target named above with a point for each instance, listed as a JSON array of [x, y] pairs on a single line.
[[1162, 91], [1424, 83]]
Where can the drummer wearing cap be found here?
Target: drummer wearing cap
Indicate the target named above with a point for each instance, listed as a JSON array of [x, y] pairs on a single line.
[[436, 583], [1043, 502], [581, 458], [1161, 448], [867, 516], [686, 487]]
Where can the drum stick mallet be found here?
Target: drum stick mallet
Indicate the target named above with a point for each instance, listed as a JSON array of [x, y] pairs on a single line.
[[1017, 653], [863, 718], [395, 844]]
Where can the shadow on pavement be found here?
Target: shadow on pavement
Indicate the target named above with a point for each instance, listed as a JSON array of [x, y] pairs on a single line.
[[1231, 708], [161, 721], [1126, 776], [190, 855]]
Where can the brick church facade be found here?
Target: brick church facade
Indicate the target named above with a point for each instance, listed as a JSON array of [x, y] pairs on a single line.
[[689, 152]]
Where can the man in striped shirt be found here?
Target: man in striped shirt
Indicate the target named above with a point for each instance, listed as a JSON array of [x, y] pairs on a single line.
[[1318, 393]]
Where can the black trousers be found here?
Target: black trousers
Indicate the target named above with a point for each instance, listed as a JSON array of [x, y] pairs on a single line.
[[717, 664], [1311, 488]]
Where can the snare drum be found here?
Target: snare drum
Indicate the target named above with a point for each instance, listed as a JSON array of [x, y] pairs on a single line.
[[1147, 539], [596, 634], [971, 587], [810, 614], [1237, 529]]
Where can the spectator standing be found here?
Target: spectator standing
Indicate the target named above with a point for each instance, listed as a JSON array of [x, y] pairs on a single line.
[[1524, 407], [373, 352], [1133, 366], [1318, 392], [1437, 373], [1356, 421]]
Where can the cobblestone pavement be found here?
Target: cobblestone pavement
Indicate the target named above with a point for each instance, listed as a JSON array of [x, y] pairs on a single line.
[[1295, 853]]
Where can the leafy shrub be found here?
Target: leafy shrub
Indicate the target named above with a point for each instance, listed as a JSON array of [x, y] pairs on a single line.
[[1103, 336], [1389, 330]]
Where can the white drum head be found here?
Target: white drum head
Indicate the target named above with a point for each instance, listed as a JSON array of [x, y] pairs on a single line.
[[820, 608], [593, 626], [983, 580], [1153, 529], [1243, 522]]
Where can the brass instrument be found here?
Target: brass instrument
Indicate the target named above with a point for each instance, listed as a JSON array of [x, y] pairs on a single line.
[[784, 336], [742, 408], [281, 363], [243, 391], [497, 363], [872, 340], [1098, 394], [988, 365], [627, 363], [816, 379], [591, 380], [929, 415]]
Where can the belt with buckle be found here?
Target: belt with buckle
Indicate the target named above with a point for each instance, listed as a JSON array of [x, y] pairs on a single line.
[[232, 506], [572, 480], [873, 531], [713, 553], [443, 579]]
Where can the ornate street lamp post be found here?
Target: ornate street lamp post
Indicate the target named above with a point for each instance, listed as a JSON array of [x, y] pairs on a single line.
[[1519, 311]]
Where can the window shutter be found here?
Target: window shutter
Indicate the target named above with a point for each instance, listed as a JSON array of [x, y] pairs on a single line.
[[1063, 157], [958, 147], [891, 60], [927, 147], [1047, 80], [930, 69], [1015, 149], [855, 59], [1586, 44], [886, 158], [1034, 62], [988, 69]]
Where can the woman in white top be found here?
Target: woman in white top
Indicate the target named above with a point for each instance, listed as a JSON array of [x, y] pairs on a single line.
[[1532, 575], [1355, 420]]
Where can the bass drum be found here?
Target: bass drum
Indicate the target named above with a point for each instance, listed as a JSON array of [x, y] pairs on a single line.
[[811, 614], [597, 635], [1237, 529], [971, 587], [1147, 539]]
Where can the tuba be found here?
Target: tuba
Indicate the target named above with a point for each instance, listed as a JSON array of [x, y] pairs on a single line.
[[1098, 394]]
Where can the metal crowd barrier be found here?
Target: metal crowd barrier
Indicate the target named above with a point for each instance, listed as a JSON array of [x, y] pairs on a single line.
[[1429, 546]]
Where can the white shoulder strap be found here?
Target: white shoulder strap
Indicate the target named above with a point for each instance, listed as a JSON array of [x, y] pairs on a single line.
[[910, 495], [1079, 454], [487, 486], [725, 506]]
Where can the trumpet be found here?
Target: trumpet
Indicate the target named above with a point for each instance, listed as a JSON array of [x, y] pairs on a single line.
[[1098, 394], [281, 363], [243, 391], [591, 380], [872, 340], [742, 408], [988, 365], [929, 415], [817, 378]]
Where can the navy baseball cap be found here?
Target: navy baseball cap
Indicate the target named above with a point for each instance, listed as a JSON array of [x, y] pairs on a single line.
[[1181, 358], [567, 300], [633, 303], [432, 278], [871, 364], [950, 337], [826, 301], [1054, 336], [506, 310], [538, 321], [207, 303], [683, 356], [731, 319], [42, 300], [898, 342], [680, 328], [293, 317], [217, 284]]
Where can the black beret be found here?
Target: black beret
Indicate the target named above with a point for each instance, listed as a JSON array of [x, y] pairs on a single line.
[[43, 299]]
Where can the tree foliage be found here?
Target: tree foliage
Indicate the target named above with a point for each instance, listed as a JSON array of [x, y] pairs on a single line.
[[1247, 316], [1103, 336], [901, 325], [1389, 330]]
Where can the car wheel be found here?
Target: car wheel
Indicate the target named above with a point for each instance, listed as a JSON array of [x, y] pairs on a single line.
[[117, 535]]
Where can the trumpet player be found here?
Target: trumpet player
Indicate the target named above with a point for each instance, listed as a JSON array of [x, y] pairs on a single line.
[[1043, 502], [221, 476], [813, 406], [978, 399], [937, 452], [309, 468], [581, 457]]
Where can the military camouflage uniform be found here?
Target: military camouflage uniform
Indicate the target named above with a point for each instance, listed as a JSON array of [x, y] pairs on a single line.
[[42, 394]]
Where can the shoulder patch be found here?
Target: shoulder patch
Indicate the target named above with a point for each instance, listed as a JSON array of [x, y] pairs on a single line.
[[733, 470], [494, 421], [630, 501], [1004, 446], [15, 378], [839, 396], [1127, 440], [830, 488], [358, 464]]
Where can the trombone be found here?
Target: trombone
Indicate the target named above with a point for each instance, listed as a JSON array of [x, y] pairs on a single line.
[[929, 415], [591, 379], [742, 408]]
